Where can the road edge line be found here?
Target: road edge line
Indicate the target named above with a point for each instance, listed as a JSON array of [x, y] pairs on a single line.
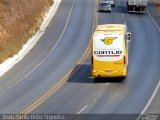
[[150, 100], [153, 20]]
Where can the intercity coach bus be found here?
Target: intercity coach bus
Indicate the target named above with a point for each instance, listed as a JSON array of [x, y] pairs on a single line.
[[109, 51]]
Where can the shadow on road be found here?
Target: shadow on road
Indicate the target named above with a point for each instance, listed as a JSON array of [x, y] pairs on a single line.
[[82, 74]]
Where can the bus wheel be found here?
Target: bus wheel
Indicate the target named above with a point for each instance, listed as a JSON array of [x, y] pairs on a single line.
[[123, 78], [96, 80]]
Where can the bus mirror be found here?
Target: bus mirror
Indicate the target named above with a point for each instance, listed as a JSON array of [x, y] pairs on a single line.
[[128, 36]]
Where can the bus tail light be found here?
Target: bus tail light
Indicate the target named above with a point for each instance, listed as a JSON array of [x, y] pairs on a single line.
[[92, 60], [124, 59]]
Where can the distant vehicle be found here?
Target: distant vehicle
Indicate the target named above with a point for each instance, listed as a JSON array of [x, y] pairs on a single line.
[[109, 51], [105, 7], [137, 6], [112, 2]]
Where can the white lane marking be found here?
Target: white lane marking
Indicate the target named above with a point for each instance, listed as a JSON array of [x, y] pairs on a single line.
[[45, 57], [150, 100], [94, 101], [106, 84], [153, 20], [152, 97], [70, 12], [82, 109]]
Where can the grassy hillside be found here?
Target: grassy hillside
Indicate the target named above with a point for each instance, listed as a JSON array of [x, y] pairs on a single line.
[[19, 19]]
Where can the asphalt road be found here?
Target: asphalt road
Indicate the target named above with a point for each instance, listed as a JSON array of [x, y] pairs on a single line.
[[47, 64], [80, 94]]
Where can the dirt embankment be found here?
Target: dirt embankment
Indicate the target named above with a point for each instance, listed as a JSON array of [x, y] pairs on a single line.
[[157, 3], [19, 20]]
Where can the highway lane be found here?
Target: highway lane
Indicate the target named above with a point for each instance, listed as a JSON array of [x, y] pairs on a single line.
[[154, 106], [81, 95], [72, 27]]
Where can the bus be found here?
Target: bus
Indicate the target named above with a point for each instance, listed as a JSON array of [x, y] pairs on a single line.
[[109, 51]]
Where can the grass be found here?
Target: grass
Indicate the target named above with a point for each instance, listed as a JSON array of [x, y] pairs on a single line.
[[19, 20]]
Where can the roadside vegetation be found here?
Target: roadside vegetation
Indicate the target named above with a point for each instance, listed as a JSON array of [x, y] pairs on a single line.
[[157, 3], [19, 20]]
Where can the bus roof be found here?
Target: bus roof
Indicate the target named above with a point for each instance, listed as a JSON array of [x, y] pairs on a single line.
[[117, 28]]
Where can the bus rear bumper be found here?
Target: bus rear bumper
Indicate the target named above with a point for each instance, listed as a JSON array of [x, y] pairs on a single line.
[[109, 73]]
